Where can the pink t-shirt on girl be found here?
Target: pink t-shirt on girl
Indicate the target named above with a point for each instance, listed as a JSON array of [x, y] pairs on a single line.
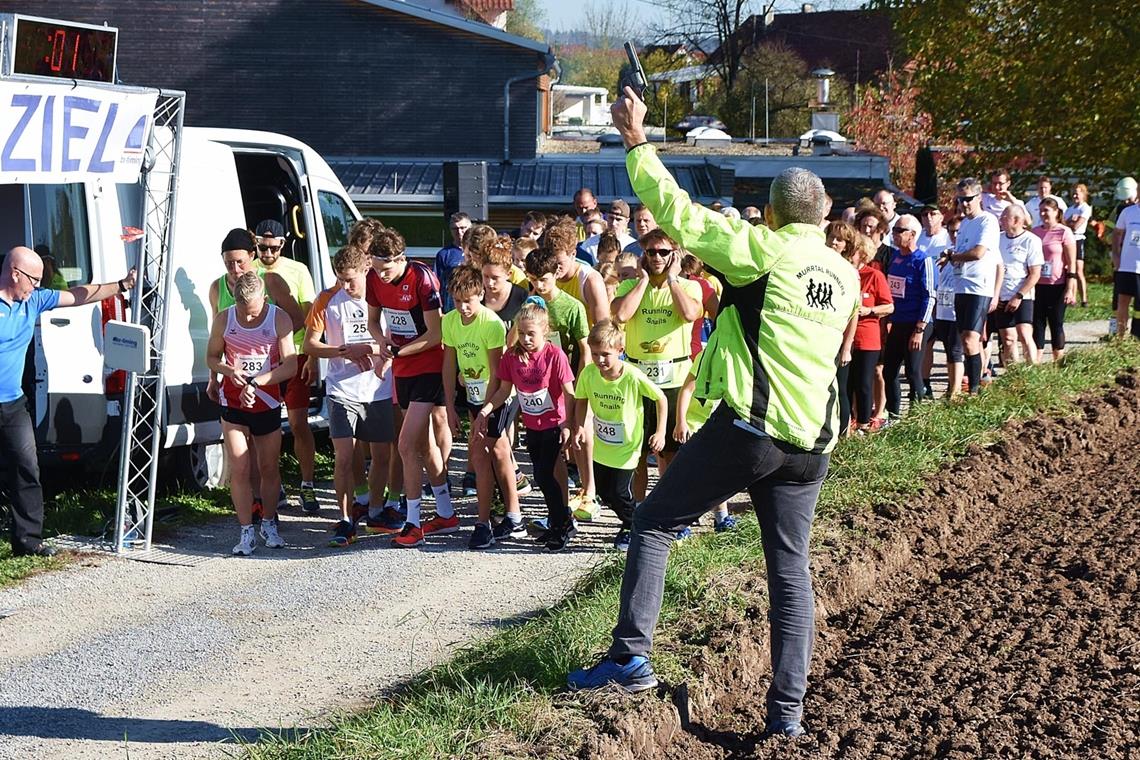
[[1053, 249], [539, 384]]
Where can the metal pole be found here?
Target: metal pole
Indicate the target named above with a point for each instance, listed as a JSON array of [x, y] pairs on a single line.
[[767, 137], [752, 128]]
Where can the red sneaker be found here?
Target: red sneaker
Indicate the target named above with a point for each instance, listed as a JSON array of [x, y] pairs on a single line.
[[441, 525], [409, 537], [258, 511]]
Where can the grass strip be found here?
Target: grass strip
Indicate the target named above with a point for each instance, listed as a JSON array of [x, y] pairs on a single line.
[[507, 686], [1099, 308]]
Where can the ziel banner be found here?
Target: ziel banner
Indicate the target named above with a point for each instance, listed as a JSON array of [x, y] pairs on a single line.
[[57, 133]]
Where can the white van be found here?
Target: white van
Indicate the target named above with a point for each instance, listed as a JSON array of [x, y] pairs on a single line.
[[227, 178]]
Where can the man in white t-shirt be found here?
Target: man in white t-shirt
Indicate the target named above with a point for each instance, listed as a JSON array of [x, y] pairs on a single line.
[[999, 195], [1033, 205], [934, 238], [1126, 263], [977, 267], [617, 222]]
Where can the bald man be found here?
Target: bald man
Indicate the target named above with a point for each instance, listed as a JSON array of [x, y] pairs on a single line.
[[22, 300]]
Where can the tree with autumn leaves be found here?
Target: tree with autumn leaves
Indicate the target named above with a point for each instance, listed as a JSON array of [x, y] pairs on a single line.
[[1025, 84]]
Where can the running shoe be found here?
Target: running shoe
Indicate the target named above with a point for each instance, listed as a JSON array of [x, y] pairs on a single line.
[[258, 511], [634, 676], [309, 501], [441, 525], [537, 527], [270, 535], [621, 542], [426, 492], [792, 729], [927, 391], [522, 484], [728, 523], [508, 529], [410, 536], [481, 537], [282, 499], [877, 424], [498, 506], [345, 535], [684, 533], [388, 521], [469, 484], [583, 506], [557, 540], [247, 543], [359, 512]]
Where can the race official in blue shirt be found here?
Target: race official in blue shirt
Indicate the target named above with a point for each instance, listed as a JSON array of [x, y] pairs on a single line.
[[22, 300]]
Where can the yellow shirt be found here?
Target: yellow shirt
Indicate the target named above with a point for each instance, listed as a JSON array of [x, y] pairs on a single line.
[[657, 337]]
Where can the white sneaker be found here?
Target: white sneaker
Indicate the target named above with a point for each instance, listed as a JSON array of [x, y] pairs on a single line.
[[247, 543], [270, 535]]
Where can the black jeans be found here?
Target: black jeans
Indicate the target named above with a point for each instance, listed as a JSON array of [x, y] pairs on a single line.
[[1049, 310], [21, 473], [544, 449], [896, 352], [615, 490], [721, 460], [861, 383]]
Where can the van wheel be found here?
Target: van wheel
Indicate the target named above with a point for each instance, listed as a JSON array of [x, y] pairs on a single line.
[[200, 465]]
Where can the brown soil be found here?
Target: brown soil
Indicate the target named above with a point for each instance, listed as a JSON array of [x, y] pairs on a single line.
[[999, 620]]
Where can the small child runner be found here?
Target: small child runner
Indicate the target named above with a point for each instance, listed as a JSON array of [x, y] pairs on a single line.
[[540, 371], [473, 341], [613, 390]]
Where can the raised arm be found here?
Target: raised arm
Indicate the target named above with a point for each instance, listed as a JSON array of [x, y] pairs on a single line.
[[83, 294]]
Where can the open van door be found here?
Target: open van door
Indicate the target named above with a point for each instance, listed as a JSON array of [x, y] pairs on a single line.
[[68, 395]]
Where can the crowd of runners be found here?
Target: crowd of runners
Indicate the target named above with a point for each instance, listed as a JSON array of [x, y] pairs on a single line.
[[577, 340]]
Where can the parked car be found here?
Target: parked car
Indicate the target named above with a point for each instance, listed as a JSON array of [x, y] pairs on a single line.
[[693, 121]]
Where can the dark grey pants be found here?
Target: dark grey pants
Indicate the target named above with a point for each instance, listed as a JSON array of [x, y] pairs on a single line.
[[21, 473], [721, 460]]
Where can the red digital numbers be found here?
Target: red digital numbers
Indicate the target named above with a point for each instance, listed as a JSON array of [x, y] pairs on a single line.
[[58, 43], [59, 52]]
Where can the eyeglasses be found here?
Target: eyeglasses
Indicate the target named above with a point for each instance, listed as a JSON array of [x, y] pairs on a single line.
[[661, 252], [274, 248], [34, 280], [966, 198]]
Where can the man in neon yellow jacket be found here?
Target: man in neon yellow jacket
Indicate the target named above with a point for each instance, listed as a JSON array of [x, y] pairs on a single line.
[[772, 359]]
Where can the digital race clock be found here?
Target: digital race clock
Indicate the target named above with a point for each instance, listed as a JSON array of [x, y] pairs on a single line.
[[59, 49]]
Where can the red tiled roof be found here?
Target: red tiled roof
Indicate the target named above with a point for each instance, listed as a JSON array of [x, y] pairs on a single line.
[[486, 9]]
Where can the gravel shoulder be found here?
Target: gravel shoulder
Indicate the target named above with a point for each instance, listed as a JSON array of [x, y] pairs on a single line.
[[177, 659], [161, 661]]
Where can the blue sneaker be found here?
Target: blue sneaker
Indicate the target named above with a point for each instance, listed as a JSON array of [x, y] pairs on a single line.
[[792, 729], [469, 484], [728, 523], [684, 533], [636, 675], [621, 543]]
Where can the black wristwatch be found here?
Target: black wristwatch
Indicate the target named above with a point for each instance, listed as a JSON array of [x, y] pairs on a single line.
[[252, 380], [395, 351]]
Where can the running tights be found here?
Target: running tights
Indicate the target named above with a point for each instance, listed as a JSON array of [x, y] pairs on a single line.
[[1049, 310], [545, 449], [861, 383]]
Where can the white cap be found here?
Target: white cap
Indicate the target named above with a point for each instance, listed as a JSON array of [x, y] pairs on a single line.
[[1126, 189]]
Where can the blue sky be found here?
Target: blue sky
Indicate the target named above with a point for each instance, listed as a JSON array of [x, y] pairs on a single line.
[[565, 14]]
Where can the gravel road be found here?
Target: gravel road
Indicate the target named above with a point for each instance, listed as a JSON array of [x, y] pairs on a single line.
[[167, 661]]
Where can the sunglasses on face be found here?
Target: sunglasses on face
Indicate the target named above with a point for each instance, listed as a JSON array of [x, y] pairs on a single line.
[[901, 230], [662, 252], [966, 198], [263, 248]]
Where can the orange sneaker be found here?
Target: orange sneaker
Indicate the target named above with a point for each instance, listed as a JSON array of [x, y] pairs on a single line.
[[441, 525], [409, 537]]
